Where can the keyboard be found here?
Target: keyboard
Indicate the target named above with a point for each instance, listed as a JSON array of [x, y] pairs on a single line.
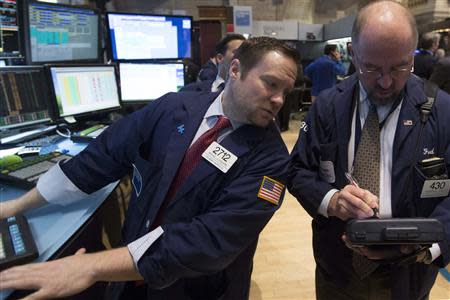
[[26, 173], [17, 245], [43, 141]]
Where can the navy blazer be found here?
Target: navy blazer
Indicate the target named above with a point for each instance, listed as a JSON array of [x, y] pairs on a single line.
[[325, 135], [202, 86], [211, 226]]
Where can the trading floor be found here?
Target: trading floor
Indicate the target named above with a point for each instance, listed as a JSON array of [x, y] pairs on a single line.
[[284, 263]]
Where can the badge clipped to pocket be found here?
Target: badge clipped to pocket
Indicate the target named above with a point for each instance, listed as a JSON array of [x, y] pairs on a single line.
[[219, 157], [436, 182]]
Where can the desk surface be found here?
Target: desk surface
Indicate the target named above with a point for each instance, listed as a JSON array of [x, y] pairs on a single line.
[[53, 225]]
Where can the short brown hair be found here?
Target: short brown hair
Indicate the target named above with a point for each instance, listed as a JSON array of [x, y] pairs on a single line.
[[254, 49]]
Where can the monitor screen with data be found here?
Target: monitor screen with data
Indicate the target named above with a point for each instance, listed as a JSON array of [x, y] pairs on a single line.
[[134, 36], [149, 81], [57, 33], [84, 89], [9, 29], [23, 96]]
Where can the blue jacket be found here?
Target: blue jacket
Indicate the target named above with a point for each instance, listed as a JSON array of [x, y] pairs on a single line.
[[323, 72], [212, 224], [326, 133], [202, 86], [208, 71]]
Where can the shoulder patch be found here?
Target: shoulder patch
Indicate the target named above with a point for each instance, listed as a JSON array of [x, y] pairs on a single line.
[[270, 190]]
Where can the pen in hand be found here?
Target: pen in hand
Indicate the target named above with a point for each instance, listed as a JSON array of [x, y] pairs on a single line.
[[352, 181]]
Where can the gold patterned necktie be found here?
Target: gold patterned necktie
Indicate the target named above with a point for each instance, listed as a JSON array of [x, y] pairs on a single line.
[[367, 173]]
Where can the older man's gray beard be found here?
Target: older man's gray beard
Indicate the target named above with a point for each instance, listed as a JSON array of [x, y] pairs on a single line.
[[382, 101]]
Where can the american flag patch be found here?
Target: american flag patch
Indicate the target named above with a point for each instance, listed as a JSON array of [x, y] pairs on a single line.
[[270, 190]]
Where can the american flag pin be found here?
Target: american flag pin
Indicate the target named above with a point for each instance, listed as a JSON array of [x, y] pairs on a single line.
[[407, 122]]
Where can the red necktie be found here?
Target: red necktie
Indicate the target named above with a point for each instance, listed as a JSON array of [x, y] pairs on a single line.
[[191, 159]]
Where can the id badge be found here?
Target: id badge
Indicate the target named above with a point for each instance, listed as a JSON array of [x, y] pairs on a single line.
[[220, 157], [435, 188]]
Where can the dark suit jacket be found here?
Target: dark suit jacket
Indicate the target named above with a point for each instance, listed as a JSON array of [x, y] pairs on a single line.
[[326, 133], [208, 71], [441, 74], [202, 86], [423, 64], [211, 226]]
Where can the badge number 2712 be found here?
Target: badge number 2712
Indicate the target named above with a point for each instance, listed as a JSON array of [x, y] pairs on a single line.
[[220, 157]]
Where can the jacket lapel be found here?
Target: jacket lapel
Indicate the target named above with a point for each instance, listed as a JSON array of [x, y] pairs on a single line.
[[189, 118], [343, 115]]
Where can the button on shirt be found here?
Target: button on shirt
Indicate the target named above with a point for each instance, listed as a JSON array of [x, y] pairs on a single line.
[[56, 187]]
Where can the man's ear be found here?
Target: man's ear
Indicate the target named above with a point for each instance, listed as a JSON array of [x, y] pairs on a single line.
[[219, 58], [235, 69]]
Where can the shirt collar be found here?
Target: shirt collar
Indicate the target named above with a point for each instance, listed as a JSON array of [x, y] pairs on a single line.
[[216, 109], [215, 85]]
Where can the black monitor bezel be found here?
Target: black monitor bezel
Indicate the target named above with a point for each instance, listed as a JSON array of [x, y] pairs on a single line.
[[108, 36], [49, 101], [55, 113], [139, 62], [27, 40]]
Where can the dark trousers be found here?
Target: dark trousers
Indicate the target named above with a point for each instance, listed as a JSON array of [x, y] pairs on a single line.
[[374, 287]]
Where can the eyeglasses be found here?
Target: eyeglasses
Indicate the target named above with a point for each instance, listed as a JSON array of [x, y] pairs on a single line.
[[377, 74]]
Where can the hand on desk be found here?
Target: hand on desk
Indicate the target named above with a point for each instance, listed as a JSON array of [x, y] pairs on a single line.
[[30, 200], [70, 275], [352, 202]]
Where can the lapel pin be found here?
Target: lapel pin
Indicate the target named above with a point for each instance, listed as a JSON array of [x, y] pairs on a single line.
[[180, 129], [407, 122]]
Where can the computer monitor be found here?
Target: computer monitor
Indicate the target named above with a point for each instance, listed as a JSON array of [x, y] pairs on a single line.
[[23, 97], [137, 36], [9, 29], [141, 82], [57, 33], [80, 90]]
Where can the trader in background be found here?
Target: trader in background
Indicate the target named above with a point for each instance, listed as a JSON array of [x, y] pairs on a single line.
[[370, 126], [225, 50], [323, 71], [193, 223], [425, 60]]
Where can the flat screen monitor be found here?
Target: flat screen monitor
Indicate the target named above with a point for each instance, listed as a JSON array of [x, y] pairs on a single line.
[[56, 33], [23, 96], [149, 81], [9, 29], [79, 90], [134, 36]]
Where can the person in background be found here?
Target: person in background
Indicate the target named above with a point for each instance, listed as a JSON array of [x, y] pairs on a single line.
[[351, 67], [355, 158], [441, 73], [440, 53], [425, 60], [225, 50], [192, 224], [323, 71], [208, 71]]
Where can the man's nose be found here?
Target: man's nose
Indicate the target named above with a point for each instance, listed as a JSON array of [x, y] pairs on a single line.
[[385, 81]]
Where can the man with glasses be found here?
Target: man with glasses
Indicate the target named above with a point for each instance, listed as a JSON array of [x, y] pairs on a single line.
[[354, 159]]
